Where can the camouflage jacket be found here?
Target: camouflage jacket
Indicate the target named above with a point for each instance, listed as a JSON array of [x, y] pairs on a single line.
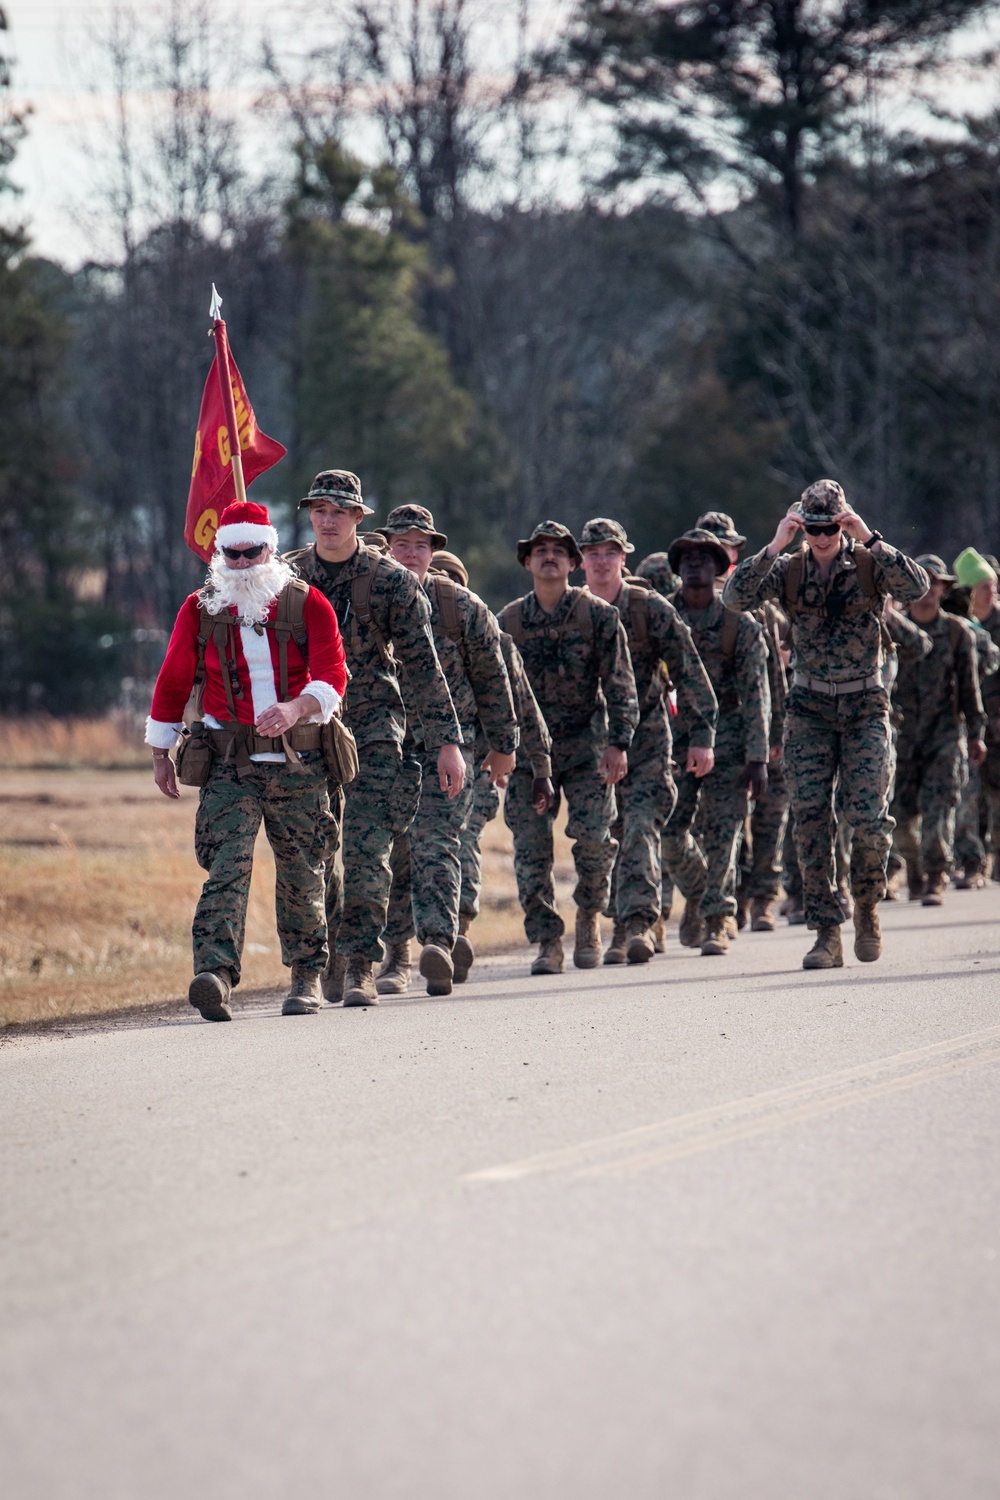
[[774, 623], [669, 641], [990, 685], [911, 644], [401, 613], [535, 748], [581, 675], [836, 635], [740, 682], [475, 671], [934, 695]]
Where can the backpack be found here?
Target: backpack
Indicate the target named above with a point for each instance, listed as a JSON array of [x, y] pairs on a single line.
[[579, 618], [288, 624]]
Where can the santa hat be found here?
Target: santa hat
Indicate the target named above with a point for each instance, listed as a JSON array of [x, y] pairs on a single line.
[[243, 524]]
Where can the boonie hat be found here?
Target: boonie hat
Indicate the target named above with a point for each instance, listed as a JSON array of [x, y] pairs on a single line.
[[657, 569], [721, 525], [972, 568], [448, 562], [412, 518], [935, 567], [697, 538], [338, 486], [822, 502], [554, 531], [601, 530]]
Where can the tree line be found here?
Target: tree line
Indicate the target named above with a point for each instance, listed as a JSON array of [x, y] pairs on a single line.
[[682, 256]]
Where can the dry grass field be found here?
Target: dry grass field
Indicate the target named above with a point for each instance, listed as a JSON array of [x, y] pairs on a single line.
[[98, 883]]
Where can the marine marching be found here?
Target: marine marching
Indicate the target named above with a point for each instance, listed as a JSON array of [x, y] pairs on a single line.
[[719, 725]]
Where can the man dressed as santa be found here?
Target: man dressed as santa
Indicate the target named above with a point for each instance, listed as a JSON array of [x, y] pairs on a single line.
[[267, 760]]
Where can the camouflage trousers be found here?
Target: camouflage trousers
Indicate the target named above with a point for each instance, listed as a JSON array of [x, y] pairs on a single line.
[[704, 868], [971, 826], [842, 746], [485, 806], [791, 875], [928, 791], [759, 873], [591, 813], [426, 862], [295, 809], [645, 800], [989, 781], [378, 806]]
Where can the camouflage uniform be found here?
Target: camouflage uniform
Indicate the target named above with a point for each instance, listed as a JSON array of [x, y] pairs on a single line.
[[989, 771], [932, 698], [831, 734], [534, 754], [582, 679], [705, 870], [658, 573], [426, 863], [378, 806]]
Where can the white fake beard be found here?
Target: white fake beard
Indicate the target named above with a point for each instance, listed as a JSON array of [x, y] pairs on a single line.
[[252, 590]]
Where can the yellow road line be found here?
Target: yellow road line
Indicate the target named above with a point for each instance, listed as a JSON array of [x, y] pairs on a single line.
[[771, 1109]]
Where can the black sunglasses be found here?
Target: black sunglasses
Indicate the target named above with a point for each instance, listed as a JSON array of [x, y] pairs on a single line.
[[830, 530], [235, 553]]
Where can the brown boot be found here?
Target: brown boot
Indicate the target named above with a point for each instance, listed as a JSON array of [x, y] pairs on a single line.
[[332, 978], [616, 953], [692, 928], [716, 939], [914, 880], [827, 951], [551, 959], [659, 931], [304, 996], [394, 975], [209, 992], [587, 947], [762, 914], [892, 883], [640, 941], [359, 982], [730, 928], [463, 955], [934, 890], [437, 968], [867, 932], [795, 915]]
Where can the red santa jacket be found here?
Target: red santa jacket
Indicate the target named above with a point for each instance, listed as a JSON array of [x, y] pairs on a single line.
[[324, 675]]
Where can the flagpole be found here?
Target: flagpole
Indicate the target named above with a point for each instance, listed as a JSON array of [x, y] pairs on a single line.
[[226, 385]]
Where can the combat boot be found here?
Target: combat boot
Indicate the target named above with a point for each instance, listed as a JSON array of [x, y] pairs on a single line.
[[304, 996], [730, 928], [762, 914], [394, 975], [551, 959], [742, 907], [437, 968], [463, 955], [659, 931], [937, 884], [892, 881], [973, 879], [640, 941], [692, 928], [587, 946], [914, 880], [867, 932], [716, 939], [844, 897], [209, 992], [827, 951], [795, 915], [332, 979], [359, 982], [616, 953]]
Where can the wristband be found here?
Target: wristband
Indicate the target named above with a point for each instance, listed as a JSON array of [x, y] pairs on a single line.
[[161, 754], [876, 536]]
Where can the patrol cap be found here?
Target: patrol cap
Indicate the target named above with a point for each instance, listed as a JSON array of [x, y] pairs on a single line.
[[936, 568], [412, 518], [697, 539], [546, 531], [721, 526], [339, 487], [972, 568], [657, 569], [601, 530], [822, 502], [448, 562]]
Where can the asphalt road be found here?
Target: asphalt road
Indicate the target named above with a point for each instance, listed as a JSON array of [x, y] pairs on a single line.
[[714, 1229]]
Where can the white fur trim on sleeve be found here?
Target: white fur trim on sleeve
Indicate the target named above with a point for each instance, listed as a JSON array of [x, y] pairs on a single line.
[[162, 736], [327, 697]]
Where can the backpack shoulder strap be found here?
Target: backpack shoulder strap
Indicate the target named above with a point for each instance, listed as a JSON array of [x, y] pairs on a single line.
[[580, 615], [956, 632], [510, 621], [447, 603], [865, 564], [289, 622], [220, 629], [793, 581], [361, 606], [730, 633], [639, 617]]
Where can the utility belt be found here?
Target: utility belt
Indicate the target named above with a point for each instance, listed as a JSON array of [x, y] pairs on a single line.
[[236, 743], [836, 689]]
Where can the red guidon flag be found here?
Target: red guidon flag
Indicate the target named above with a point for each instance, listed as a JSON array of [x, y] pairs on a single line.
[[213, 484]]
